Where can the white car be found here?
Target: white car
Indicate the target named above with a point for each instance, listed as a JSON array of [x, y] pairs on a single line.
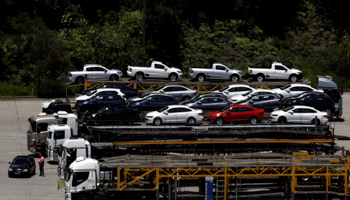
[[100, 91], [299, 114], [294, 89], [235, 89], [175, 114], [249, 94]]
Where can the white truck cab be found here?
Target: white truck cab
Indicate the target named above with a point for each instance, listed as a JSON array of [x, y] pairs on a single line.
[[57, 135], [71, 149]]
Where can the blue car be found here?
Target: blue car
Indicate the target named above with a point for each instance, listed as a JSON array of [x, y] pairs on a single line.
[[128, 91], [151, 102], [100, 101]]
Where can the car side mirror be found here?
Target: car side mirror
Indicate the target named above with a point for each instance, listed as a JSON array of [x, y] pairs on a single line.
[[199, 102], [105, 70], [291, 112], [287, 90], [162, 91], [228, 112], [165, 113]]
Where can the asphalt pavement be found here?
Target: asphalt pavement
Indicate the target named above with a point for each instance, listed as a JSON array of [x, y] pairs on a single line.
[[13, 128]]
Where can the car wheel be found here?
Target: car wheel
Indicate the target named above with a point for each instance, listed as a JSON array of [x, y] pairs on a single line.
[[316, 121], [253, 120], [234, 78], [157, 121], [276, 107], [139, 77], [79, 80], [114, 77], [293, 78], [191, 120], [329, 112], [260, 78], [219, 121], [200, 78], [173, 77], [186, 98], [282, 120]]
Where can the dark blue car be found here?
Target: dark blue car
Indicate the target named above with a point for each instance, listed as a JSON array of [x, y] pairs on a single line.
[[100, 101], [128, 91], [151, 102]]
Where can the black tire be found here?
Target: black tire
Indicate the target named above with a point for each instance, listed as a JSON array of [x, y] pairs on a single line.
[[220, 121], [200, 78], [139, 77], [282, 120], [329, 112], [260, 77], [157, 121], [173, 77], [293, 78], [114, 77], [186, 98], [253, 120], [135, 196], [79, 80], [191, 121], [234, 78], [84, 197]]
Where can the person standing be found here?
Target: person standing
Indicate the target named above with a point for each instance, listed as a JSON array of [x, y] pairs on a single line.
[[41, 164]]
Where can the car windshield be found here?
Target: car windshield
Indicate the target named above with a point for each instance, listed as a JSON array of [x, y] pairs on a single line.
[[157, 89], [20, 161], [223, 89], [91, 93], [248, 93], [224, 109], [288, 109], [163, 109], [285, 87]]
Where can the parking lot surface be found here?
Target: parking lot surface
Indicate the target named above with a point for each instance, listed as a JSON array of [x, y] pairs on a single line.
[[13, 128]]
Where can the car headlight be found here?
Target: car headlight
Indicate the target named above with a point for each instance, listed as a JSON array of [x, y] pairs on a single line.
[[25, 170], [10, 169], [273, 115]]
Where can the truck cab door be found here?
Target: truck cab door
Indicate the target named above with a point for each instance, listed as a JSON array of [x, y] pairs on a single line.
[[221, 72], [159, 71], [100, 73], [280, 72]]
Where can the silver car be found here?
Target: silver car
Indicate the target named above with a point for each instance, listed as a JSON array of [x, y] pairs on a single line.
[[209, 103], [179, 92]]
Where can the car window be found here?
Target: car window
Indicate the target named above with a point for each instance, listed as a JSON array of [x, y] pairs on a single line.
[[217, 100], [179, 89], [153, 99], [234, 89], [245, 109], [298, 110], [206, 100], [158, 66], [183, 109], [163, 99], [307, 89], [99, 69], [308, 110], [89, 69], [236, 109], [279, 67], [169, 89], [220, 67], [172, 110], [244, 89], [295, 89]]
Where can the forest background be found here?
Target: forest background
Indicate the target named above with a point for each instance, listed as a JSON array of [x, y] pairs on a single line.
[[42, 39]]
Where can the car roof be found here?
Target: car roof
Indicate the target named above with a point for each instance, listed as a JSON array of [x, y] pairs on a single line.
[[157, 94], [238, 85], [178, 106], [299, 106], [111, 89], [239, 105]]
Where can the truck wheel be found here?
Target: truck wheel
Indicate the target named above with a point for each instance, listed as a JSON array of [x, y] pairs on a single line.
[[260, 78], [173, 77], [133, 197], [200, 78], [293, 78], [114, 77], [139, 77], [79, 80], [234, 78]]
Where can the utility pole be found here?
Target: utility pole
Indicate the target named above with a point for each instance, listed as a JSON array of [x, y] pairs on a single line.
[[144, 25]]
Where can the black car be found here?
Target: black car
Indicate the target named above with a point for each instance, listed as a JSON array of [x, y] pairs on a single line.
[[199, 96], [58, 105], [319, 100], [22, 166], [268, 102], [151, 102], [98, 102], [128, 91], [113, 115]]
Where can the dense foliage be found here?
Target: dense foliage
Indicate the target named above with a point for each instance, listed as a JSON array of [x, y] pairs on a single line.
[[41, 40]]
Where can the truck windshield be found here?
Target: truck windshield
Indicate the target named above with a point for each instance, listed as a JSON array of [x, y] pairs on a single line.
[[79, 177]]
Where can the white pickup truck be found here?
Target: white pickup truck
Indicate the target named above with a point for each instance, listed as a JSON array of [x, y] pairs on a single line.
[[94, 71], [156, 70], [218, 71], [275, 71]]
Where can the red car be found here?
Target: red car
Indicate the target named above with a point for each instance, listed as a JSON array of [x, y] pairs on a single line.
[[236, 114]]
